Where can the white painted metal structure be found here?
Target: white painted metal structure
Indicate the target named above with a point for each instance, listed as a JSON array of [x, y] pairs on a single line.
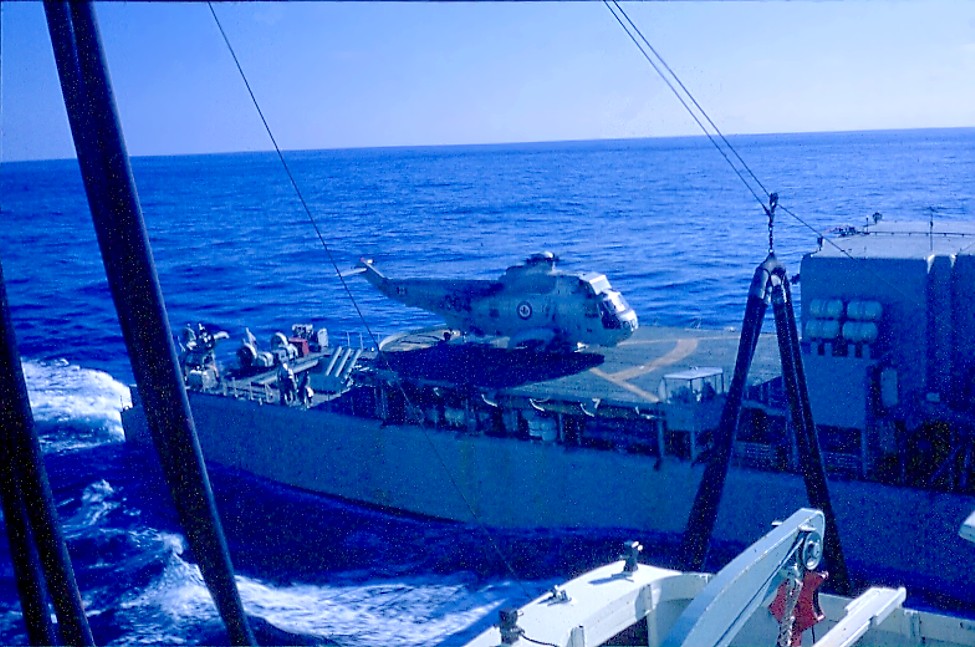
[[656, 606]]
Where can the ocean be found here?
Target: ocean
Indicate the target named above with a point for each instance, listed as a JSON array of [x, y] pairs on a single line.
[[665, 219]]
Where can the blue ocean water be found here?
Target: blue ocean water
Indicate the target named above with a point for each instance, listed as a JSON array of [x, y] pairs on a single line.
[[665, 219]]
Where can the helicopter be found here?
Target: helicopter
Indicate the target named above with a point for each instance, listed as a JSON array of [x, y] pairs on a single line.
[[532, 304]]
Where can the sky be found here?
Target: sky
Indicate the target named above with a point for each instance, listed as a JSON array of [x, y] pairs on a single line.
[[339, 75]]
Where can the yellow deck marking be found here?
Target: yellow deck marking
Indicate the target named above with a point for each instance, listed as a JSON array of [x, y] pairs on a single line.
[[649, 397], [681, 349], [706, 336]]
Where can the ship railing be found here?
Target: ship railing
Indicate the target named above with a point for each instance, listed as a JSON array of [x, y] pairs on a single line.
[[749, 454], [843, 463], [762, 455], [350, 336], [246, 390]]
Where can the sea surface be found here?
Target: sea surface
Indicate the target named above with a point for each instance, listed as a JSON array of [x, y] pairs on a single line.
[[666, 220]]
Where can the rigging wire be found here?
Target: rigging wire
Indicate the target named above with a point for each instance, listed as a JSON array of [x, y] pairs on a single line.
[[673, 82], [291, 178], [692, 99], [677, 87], [895, 287], [294, 184], [660, 63]]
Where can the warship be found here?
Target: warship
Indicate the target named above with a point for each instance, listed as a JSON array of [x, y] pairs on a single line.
[[451, 426]]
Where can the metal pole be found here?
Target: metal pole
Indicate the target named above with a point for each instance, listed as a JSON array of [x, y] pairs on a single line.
[[29, 509], [31, 587], [138, 299], [810, 456], [704, 513]]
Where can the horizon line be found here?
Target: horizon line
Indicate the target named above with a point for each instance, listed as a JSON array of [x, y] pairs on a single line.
[[30, 160]]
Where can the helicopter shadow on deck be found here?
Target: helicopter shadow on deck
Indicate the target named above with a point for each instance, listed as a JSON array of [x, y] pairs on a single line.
[[480, 365]]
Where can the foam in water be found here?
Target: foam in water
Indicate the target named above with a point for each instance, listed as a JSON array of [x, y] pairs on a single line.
[[167, 609], [88, 401], [97, 501], [357, 610], [414, 611], [411, 611]]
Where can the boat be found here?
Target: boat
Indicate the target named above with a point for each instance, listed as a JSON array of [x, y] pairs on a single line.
[[616, 437], [769, 594]]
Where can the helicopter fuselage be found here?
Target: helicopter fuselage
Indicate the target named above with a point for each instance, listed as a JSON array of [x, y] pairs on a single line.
[[532, 303]]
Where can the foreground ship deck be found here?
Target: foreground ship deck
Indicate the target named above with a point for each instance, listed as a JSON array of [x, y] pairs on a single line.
[[767, 595]]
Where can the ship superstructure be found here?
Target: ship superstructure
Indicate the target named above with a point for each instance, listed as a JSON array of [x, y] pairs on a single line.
[[889, 348]]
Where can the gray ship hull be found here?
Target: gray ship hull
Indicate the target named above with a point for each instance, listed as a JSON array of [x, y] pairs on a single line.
[[890, 534]]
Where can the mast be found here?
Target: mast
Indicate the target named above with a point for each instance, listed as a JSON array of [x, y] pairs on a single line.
[[124, 244], [40, 558]]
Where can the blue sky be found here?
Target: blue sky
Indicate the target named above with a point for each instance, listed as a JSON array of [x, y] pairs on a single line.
[[391, 74]]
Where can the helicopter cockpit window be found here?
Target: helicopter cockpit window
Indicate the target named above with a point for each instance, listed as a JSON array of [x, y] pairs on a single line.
[[612, 305], [614, 301]]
